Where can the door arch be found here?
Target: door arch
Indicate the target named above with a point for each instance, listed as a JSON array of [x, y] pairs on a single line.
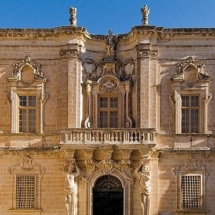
[[108, 196]]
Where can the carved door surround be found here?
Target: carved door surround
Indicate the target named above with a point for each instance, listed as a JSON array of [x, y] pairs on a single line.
[[106, 168]]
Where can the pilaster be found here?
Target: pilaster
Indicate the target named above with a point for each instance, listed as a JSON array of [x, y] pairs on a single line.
[[147, 57], [70, 52]]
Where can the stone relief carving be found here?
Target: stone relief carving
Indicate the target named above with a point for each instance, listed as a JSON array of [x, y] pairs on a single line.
[[71, 172], [107, 166], [190, 71], [27, 71], [89, 169], [192, 165], [27, 165], [142, 173], [125, 167], [108, 85]]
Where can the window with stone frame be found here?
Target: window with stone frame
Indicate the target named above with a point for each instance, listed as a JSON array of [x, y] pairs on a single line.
[[190, 97], [191, 179], [190, 111], [25, 191], [26, 185], [27, 113], [27, 97], [191, 191], [108, 111]]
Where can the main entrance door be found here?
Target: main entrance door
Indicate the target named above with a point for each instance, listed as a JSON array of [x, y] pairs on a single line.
[[108, 196]]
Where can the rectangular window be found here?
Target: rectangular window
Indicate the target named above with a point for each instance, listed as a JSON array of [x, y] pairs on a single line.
[[190, 114], [191, 188], [25, 192], [27, 114], [108, 112]]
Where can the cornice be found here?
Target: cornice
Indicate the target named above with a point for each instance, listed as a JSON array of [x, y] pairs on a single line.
[[145, 31], [30, 33]]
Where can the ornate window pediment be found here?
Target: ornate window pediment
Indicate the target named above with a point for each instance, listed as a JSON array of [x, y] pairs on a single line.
[[190, 72], [190, 97], [27, 72], [110, 82], [27, 96]]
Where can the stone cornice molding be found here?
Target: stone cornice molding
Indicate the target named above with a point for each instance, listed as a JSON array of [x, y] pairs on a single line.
[[146, 31], [43, 33]]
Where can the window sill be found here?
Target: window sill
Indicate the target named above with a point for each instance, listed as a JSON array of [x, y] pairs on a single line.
[[191, 211], [26, 211]]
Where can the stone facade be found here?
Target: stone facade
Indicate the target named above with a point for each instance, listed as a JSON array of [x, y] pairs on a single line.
[[68, 157]]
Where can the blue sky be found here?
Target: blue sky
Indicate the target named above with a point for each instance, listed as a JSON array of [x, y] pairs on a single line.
[[98, 16]]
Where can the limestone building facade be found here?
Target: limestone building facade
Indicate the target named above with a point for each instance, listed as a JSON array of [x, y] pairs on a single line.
[[107, 124]]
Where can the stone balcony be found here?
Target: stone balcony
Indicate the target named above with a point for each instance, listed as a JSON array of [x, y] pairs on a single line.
[[107, 136]]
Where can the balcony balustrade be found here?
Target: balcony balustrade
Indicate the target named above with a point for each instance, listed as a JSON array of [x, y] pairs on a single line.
[[107, 136]]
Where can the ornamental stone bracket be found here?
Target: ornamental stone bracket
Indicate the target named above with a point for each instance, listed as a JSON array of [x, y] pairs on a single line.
[[27, 72]]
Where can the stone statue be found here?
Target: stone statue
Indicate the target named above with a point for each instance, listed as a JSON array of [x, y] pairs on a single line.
[[145, 12], [143, 175], [71, 171], [111, 44], [73, 13]]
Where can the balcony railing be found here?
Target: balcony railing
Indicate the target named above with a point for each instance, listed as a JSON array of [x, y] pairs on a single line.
[[107, 136]]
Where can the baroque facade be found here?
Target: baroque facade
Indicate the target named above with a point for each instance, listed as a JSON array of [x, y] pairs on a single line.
[[107, 124]]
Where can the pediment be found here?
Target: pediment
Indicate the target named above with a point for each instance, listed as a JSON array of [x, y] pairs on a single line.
[[190, 72], [27, 72]]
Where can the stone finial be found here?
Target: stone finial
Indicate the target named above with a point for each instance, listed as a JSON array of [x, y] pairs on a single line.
[[73, 13], [145, 12]]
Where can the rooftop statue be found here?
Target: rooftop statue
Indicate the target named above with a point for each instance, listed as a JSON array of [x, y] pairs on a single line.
[[145, 12], [111, 41]]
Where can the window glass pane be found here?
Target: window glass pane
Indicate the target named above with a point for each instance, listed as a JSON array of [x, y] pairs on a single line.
[[22, 120], [194, 101], [22, 100], [113, 102], [185, 121], [103, 102], [194, 120], [113, 119], [32, 101], [103, 119], [185, 101], [25, 192], [191, 191], [32, 120]]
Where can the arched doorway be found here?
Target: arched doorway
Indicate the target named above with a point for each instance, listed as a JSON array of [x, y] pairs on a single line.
[[108, 196]]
